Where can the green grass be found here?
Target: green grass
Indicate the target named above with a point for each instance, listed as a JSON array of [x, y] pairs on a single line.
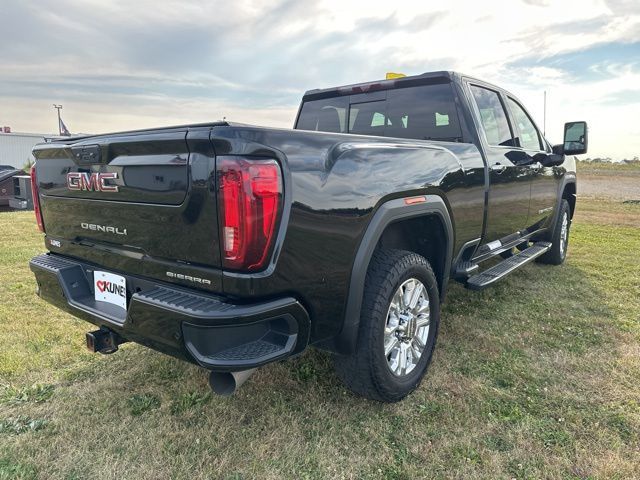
[[138, 404], [536, 378]]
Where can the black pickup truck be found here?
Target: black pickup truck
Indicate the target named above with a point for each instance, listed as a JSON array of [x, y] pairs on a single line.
[[233, 246]]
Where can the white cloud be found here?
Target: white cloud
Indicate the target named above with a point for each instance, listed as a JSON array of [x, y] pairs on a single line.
[[120, 64]]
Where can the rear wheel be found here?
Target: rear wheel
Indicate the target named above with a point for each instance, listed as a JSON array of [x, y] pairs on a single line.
[[398, 328], [560, 237]]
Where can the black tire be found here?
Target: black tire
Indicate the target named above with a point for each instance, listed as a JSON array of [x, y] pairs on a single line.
[[558, 252], [366, 371]]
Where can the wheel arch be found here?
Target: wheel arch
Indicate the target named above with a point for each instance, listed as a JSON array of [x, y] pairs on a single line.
[[424, 235], [569, 194], [388, 228], [566, 191]]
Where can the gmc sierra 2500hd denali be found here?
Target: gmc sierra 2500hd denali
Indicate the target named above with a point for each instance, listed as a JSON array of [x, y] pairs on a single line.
[[232, 246]]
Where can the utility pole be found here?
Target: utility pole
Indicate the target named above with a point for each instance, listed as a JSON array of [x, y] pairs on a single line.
[[544, 121], [58, 108]]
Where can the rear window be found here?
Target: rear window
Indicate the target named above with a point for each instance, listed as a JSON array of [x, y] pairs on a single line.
[[426, 112]]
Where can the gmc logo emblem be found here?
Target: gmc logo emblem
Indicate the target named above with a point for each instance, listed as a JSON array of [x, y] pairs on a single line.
[[91, 182]]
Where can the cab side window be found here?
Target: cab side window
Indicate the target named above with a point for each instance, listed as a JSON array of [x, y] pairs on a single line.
[[493, 116], [529, 135]]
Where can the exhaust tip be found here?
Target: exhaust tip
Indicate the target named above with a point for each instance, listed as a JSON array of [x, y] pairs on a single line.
[[222, 383], [225, 384]]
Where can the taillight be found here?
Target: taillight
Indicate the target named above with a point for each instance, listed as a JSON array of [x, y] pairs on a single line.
[[249, 203], [36, 199]]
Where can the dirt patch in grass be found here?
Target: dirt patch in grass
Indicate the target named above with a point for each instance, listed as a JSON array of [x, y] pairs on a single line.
[[613, 187], [615, 182]]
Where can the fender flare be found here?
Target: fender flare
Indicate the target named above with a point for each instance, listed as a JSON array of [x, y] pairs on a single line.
[[569, 178], [388, 213]]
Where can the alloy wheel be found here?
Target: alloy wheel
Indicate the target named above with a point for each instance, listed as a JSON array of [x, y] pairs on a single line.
[[407, 327]]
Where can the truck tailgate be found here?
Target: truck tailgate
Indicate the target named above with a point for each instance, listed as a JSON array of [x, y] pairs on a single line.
[[145, 195], [148, 169]]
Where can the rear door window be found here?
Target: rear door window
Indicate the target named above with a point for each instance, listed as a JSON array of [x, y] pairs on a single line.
[[425, 112], [493, 116]]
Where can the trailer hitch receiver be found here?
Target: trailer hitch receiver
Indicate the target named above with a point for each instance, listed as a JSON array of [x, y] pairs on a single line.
[[103, 341]]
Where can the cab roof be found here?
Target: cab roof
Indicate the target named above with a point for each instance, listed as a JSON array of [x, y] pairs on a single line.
[[442, 76]]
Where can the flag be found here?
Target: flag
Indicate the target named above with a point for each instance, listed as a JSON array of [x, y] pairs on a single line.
[[63, 129]]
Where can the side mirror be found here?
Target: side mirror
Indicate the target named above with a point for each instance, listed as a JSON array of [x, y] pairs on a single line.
[[552, 160], [576, 138]]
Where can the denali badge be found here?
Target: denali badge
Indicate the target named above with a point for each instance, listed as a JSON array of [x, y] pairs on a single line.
[[545, 210], [103, 228], [189, 278], [92, 182]]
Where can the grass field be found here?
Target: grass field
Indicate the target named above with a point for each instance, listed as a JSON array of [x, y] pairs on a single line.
[[538, 377]]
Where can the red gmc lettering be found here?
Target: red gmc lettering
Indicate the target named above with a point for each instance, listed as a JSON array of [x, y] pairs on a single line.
[[91, 182]]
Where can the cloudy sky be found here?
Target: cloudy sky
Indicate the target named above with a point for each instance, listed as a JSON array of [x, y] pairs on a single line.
[[121, 64]]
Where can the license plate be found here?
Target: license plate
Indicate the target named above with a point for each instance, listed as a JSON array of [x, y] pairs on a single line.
[[110, 288]]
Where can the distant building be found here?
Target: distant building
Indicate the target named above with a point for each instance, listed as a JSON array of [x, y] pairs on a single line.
[[15, 148]]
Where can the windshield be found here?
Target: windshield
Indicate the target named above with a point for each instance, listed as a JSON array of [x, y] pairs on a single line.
[[426, 112]]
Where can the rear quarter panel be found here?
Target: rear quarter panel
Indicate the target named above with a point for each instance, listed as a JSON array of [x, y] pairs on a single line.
[[334, 183]]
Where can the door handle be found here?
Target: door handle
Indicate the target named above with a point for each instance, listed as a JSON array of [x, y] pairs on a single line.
[[498, 167]]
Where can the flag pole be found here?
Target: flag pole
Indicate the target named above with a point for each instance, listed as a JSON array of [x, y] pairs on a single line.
[[544, 121], [58, 108]]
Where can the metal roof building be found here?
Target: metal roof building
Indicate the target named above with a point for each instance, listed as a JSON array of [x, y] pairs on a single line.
[[15, 148]]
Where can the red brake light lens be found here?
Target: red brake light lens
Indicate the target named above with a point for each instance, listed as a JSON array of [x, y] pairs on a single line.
[[36, 199], [249, 203]]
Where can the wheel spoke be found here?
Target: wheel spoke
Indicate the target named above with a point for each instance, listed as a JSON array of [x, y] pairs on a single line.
[[398, 299], [406, 293], [423, 308], [398, 367], [417, 352], [423, 321], [418, 288], [390, 344], [403, 359], [392, 323], [410, 360]]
